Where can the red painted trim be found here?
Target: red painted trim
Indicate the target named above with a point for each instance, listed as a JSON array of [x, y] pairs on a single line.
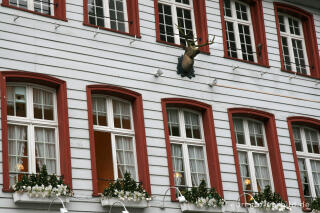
[[139, 128], [309, 34], [59, 10], [256, 10], [200, 15], [273, 146], [133, 19], [306, 122], [244, 61], [209, 134], [63, 123]]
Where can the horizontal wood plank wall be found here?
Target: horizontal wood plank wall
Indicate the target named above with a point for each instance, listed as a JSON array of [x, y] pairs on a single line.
[[72, 53]]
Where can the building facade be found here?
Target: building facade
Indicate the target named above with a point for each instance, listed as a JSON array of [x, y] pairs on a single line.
[[90, 89]]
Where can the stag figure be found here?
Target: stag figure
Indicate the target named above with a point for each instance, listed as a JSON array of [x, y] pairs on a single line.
[[186, 61]]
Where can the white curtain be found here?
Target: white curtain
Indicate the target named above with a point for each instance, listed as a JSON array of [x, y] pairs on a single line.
[[177, 162], [261, 170], [238, 125], [17, 136], [315, 165], [125, 156], [243, 161], [197, 164], [45, 149]]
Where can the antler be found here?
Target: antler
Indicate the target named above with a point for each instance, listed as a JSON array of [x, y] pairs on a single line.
[[190, 42], [207, 43]]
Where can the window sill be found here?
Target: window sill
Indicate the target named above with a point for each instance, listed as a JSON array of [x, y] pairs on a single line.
[[180, 46], [260, 210], [33, 12], [248, 62], [189, 207], [111, 30], [131, 204], [23, 197], [304, 75]]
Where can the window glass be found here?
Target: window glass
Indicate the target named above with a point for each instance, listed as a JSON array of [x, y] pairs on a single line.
[[177, 163], [173, 122], [261, 171], [125, 156], [197, 164], [16, 101], [192, 125], [121, 114]]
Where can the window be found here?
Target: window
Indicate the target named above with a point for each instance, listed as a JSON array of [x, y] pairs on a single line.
[[305, 140], [297, 41], [114, 139], [256, 152], [51, 8], [117, 136], [253, 155], [32, 130], [191, 149], [189, 15], [244, 33], [187, 147], [35, 131], [115, 15]]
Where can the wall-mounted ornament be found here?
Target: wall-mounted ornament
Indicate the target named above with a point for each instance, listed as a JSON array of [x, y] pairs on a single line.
[[186, 61]]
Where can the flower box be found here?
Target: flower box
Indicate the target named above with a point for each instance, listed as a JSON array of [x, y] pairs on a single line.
[[130, 204], [189, 207], [23, 197]]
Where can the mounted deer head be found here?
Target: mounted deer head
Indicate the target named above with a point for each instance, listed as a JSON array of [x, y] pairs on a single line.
[[185, 65]]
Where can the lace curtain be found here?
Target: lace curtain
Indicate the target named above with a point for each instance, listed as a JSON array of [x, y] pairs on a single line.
[[197, 165], [125, 156], [261, 170], [177, 163]]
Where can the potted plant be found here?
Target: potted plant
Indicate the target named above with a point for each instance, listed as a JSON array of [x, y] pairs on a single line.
[[315, 205], [268, 201], [40, 188], [202, 199], [126, 190]]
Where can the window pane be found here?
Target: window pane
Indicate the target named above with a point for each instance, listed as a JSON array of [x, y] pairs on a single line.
[[125, 156], [177, 164], [16, 101], [173, 122], [42, 6], [315, 165], [45, 147], [166, 23], [18, 152], [192, 125], [227, 8], [245, 172], [241, 11], [261, 171], [297, 138], [299, 57], [185, 25], [304, 178], [42, 104], [245, 40], [239, 132], [99, 111], [96, 13], [231, 41], [256, 133], [282, 24], [19, 3], [286, 54], [312, 140], [197, 164], [117, 15], [121, 114]]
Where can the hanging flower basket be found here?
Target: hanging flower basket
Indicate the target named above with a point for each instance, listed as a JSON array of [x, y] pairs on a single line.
[[126, 190], [41, 188], [189, 207], [24, 197]]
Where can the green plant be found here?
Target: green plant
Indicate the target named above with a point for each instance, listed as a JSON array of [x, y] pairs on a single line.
[[43, 184], [202, 196], [270, 200], [315, 204], [126, 189]]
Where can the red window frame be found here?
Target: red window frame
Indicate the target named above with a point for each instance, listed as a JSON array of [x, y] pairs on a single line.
[[309, 36], [133, 18], [59, 9], [63, 123], [139, 129], [314, 123], [209, 135], [200, 15], [273, 146], [259, 32]]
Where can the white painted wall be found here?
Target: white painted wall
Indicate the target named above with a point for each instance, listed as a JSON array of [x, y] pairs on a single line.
[[73, 54]]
